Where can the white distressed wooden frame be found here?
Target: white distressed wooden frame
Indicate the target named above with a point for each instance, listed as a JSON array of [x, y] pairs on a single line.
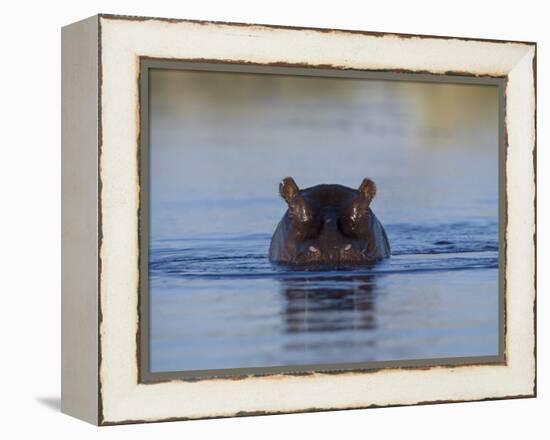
[[100, 137]]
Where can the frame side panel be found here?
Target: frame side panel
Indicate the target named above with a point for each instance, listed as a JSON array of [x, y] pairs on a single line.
[[79, 182]]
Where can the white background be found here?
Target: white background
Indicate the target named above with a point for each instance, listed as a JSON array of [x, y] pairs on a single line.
[[30, 217]]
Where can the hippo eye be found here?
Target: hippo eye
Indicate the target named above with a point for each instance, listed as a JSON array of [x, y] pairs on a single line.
[[353, 222], [301, 212], [355, 216]]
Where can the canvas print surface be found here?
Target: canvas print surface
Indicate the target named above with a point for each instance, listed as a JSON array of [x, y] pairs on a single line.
[[301, 220]]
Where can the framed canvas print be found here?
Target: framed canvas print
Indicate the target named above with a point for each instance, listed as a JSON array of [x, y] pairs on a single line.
[[264, 219]]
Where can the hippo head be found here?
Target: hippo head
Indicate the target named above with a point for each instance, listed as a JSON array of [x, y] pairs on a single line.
[[330, 225]]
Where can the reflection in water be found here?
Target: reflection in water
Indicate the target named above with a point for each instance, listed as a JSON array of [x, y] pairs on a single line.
[[329, 304]]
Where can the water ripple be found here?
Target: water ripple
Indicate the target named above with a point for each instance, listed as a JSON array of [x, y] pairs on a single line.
[[415, 248]]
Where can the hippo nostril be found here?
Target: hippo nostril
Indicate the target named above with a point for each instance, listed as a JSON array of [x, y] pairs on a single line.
[[313, 249]]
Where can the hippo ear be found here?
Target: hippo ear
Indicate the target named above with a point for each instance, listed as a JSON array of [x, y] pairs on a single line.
[[288, 189], [298, 208], [367, 189]]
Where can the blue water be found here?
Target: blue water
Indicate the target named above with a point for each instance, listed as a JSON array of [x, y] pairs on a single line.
[[218, 302], [215, 300]]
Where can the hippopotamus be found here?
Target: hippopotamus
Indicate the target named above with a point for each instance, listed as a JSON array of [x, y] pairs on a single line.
[[328, 225]]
